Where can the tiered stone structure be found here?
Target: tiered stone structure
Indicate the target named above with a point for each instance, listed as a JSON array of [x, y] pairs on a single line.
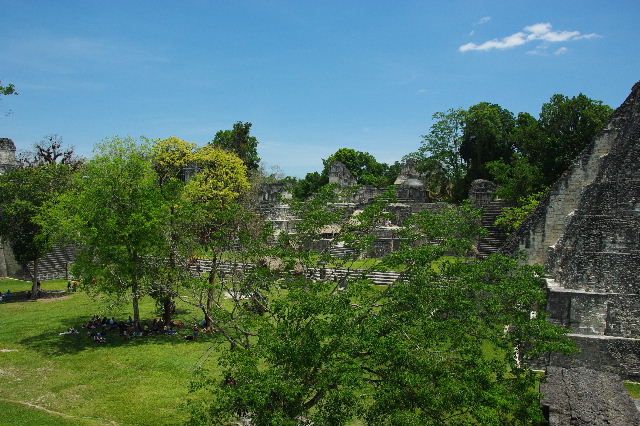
[[7, 155], [340, 174], [412, 198], [586, 233], [8, 264], [482, 197]]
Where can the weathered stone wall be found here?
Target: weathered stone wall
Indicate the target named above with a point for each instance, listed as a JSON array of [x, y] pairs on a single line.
[[582, 396], [619, 355], [600, 250], [588, 313], [586, 233], [7, 155], [481, 192], [541, 231], [340, 174]]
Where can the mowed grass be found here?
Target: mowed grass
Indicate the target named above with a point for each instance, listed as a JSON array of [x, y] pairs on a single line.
[[143, 381], [634, 389]]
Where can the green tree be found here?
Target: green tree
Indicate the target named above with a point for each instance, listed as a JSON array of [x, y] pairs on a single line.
[[486, 137], [546, 147], [568, 125], [9, 89], [212, 215], [363, 166], [239, 141], [436, 347], [114, 215], [439, 158], [24, 193], [310, 185], [170, 157]]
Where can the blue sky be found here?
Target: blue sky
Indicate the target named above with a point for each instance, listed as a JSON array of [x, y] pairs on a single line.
[[312, 77]]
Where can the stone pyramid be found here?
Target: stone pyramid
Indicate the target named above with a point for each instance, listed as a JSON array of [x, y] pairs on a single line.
[[587, 234]]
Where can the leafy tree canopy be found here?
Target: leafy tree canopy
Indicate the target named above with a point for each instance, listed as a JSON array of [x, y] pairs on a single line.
[[24, 193], [9, 89], [486, 137], [239, 140], [114, 215], [434, 348]]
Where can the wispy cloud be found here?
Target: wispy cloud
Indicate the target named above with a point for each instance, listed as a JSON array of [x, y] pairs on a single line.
[[64, 55], [538, 32], [483, 20]]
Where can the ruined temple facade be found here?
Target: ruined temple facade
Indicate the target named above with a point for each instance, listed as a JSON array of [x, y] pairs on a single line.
[[8, 264], [587, 234], [412, 198], [7, 155]]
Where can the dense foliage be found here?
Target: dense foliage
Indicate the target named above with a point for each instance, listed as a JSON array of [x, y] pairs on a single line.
[[24, 193], [363, 166], [239, 141], [444, 345], [524, 155]]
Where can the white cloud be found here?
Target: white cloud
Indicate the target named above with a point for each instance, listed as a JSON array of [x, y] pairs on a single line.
[[423, 91], [541, 32], [561, 51], [483, 20]]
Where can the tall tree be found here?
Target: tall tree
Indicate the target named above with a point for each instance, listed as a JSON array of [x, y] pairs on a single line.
[[211, 213], [430, 349], [114, 214], [24, 193], [239, 141], [568, 125], [439, 158], [547, 146], [170, 158], [486, 137], [50, 151]]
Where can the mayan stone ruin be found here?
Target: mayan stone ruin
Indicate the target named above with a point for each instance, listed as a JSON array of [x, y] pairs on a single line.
[[586, 233]]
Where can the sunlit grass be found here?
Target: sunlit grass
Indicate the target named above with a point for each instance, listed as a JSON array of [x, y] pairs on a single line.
[[143, 381]]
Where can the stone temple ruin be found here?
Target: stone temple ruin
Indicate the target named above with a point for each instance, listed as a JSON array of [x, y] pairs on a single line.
[[587, 235], [412, 197]]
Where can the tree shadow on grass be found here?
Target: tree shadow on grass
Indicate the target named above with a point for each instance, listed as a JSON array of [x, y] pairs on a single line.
[[51, 343]]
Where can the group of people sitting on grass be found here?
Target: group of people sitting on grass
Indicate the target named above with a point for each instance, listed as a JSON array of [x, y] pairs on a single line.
[[98, 328], [5, 296]]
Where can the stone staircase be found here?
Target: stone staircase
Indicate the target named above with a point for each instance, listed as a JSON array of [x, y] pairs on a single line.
[[342, 252], [54, 265], [491, 243], [329, 274]]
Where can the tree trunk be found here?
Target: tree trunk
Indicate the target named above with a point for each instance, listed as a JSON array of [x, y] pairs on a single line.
[[34, 285], [136, 308], [207, 312], [167, 312], [211, 292]]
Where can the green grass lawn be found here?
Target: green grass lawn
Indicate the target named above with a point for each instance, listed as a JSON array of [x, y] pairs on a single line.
[[142, 381], [634, 389]]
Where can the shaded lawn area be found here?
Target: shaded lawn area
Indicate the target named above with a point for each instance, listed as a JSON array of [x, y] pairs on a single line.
[[141, 381]]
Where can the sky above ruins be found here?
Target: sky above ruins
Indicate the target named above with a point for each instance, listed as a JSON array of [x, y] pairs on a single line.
[[312, 77]]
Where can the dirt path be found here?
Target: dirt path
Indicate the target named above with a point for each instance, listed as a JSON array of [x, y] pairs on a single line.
[[68, 416]]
